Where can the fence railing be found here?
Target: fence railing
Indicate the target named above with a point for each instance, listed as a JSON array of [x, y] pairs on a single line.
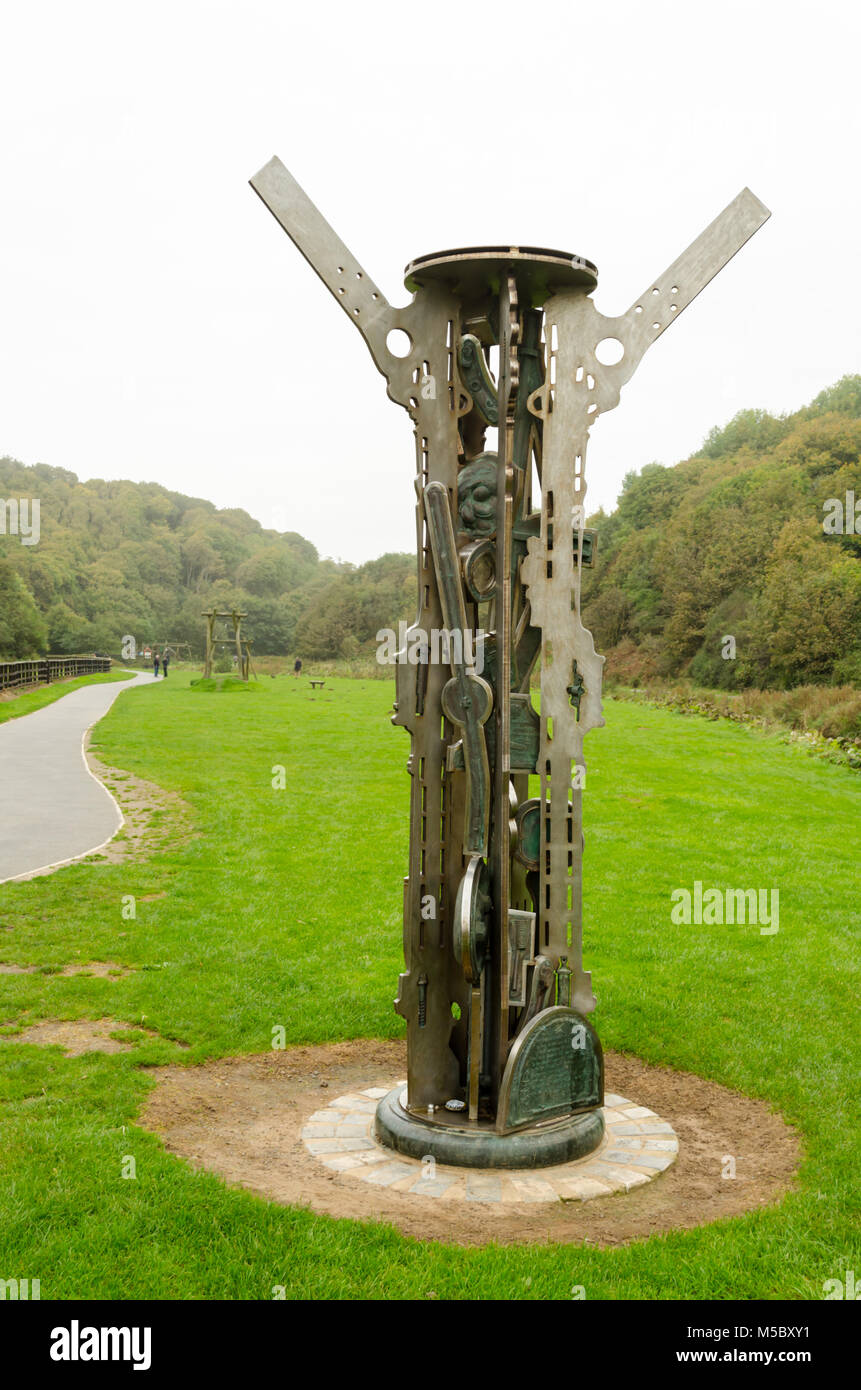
[[42, 671]]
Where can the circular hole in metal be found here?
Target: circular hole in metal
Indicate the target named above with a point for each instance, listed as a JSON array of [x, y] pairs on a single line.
[[398, 342], [609, 351]]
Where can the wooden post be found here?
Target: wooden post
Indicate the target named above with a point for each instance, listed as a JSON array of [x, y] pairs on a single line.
[[237, 620], [210, 626]]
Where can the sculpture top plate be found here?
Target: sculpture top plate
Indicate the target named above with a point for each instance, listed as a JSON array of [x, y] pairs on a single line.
[[474, 271]]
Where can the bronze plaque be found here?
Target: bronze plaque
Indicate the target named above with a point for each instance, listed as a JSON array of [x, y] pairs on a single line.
[[555, 1068]]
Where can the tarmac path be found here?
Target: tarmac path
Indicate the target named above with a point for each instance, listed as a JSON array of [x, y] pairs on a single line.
[[53, 809]]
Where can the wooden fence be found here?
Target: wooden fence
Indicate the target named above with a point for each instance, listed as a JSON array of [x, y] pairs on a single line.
[[49, 668]]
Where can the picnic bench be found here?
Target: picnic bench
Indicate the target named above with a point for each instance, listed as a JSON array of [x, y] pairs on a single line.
[[314, 684]]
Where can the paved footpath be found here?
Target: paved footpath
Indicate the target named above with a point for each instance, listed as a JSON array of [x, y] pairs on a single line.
[[52, 808]]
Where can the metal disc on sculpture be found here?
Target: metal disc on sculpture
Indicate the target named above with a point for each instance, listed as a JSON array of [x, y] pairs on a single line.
[[473, 270], [528, 822], [479, 569], [556, 1067], [456, 693], [472, 912]]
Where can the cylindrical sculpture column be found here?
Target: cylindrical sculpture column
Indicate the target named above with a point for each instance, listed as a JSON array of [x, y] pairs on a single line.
[[506, 367]]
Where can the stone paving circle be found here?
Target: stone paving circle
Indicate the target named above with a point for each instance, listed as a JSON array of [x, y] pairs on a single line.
[[637, 1147]]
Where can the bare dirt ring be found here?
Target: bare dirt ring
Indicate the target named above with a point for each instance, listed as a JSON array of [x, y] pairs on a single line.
[[240, 1117]]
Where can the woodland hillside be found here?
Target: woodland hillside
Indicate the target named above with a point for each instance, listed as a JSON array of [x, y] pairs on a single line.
[[752, 538]]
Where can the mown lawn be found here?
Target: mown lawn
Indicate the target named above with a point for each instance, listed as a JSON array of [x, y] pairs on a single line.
[[285, 909]]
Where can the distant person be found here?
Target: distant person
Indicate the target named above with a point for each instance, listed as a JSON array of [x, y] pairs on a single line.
[[165, 660], [155, 661], [297, 667]]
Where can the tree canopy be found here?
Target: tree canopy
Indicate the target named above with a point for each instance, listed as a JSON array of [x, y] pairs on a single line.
[[118, 558], [731, 543]]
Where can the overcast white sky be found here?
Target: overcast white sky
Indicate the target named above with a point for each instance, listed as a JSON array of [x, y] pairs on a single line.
[[158, 325]]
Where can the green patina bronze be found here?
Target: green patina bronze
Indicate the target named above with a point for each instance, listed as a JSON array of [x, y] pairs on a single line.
[[476, 377], [576, 690], [528, 822], [525, 737], [556, 1068], [476, 496], [466, 699]]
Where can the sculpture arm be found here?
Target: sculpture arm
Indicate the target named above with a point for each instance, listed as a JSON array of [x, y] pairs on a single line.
[[363, 303], [423, 320], [664, 298], [691, 272]]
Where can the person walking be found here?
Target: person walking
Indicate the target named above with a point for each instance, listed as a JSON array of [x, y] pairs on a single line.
[[165, 658], [155, 661], [297, 667]]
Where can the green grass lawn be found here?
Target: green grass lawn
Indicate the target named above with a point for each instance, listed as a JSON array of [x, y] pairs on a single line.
[[285, 909], [42, 695]]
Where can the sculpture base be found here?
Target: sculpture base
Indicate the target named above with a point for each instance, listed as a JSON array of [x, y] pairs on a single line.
[[538, 1146]]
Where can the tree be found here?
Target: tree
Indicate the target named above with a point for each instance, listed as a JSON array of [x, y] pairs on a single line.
[[23, 632], [809, 611]]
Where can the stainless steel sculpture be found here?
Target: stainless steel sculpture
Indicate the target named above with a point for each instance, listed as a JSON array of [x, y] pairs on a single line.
[[504, 1069]]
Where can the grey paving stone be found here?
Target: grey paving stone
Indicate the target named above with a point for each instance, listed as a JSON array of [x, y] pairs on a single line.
[[432, 1187], [342, 1163], [484, 1187], [657, 1161], [387, 1173], [623, 1177], [532, 1188], [337, 1145], [373, 1154], [583, 1188]]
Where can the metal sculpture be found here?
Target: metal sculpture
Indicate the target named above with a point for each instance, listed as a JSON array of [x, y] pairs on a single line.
[[504, 1068]]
